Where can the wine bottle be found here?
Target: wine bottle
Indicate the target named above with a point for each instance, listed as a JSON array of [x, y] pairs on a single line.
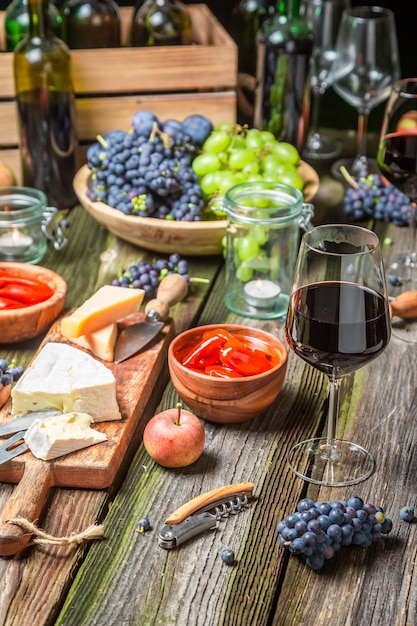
[[16, 22], [92, 24], [282, 98], [45, 105], [161, 23], [247, 18]]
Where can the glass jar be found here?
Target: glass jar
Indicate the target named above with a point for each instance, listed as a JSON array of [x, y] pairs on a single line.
[[263, 236], [26, 225]]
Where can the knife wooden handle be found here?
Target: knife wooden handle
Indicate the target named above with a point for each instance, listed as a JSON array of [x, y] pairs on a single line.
[[172, 289], [26, 501], [205, 499]]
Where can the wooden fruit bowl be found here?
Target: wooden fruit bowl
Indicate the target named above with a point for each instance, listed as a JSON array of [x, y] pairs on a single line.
[[22, 324], [192, 238], [226, 400]]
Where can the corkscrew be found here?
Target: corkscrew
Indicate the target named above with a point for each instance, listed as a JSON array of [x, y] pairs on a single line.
[[204, 512]]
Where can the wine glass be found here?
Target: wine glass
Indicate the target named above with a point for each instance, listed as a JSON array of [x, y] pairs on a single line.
[[323, 17], [365, 68], [338, 321], [397, 161]]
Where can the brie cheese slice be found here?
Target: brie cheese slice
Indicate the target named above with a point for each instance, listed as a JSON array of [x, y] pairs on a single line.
[[67, 379], [55, 436]]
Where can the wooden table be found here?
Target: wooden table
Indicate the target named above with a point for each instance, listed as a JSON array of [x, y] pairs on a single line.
[[127, 579]]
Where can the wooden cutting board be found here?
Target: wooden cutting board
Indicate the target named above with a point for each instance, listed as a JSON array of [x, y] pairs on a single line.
[[91, 468]]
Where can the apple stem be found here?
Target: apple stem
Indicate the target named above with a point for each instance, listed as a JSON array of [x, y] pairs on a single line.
[[179, 407]]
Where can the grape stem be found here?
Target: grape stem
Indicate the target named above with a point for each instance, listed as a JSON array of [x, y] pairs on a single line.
[[352, 182]]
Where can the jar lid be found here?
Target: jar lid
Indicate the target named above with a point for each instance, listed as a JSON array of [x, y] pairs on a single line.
[[263, 202], [21, 205]]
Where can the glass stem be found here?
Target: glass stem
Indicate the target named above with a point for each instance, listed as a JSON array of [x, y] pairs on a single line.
[[362, 133], [333, 414], [412, 252], [315, 106]]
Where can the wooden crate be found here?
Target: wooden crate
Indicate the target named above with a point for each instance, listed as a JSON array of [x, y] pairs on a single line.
[[112, 83]]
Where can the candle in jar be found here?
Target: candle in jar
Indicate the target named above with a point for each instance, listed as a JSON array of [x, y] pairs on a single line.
[[13, 243], [261, 294]]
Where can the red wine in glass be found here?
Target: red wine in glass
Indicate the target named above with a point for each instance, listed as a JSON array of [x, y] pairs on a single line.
[[337, 326], [397, 161]]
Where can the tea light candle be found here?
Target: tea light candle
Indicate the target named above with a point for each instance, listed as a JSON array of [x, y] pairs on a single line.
[[13, 243], [261, 294]]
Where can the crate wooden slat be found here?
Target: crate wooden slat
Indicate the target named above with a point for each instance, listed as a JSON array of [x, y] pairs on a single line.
[[112, 83]]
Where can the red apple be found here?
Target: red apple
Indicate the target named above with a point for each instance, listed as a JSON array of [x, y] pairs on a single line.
[[7, 177], [174, 438], [408, 122]]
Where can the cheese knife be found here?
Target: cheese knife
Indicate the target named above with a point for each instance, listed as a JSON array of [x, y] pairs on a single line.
[[24, 421], [172, 289]]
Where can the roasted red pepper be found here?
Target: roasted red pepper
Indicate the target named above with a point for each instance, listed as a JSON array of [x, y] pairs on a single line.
[[223, 354], [206, 352], [26, 294], [8, 303], [245, 362], [220, 371], [24, 290]]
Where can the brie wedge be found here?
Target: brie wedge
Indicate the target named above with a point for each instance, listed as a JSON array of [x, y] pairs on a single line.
[[67, 379], [55, 436]]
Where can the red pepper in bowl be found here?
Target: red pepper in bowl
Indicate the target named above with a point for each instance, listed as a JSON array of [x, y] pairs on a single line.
[[23, 290], [223, 354], [8, 303]]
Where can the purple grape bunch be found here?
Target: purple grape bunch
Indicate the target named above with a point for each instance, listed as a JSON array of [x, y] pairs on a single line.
[[147, 171], [373, 197], [147, 275], [317, 530]]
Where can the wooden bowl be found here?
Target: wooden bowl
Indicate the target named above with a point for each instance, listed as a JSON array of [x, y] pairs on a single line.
[[22, 324], [192, 238], [226, 400]]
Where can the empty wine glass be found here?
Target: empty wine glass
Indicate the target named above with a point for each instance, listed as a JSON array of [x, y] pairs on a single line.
[[365, 68], [323, 17], [397, 160], [338, 321]]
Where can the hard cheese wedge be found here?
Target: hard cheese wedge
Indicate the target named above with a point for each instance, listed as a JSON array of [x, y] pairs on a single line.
[[55, 436], [101, 342], [67, 379], [106, 306]]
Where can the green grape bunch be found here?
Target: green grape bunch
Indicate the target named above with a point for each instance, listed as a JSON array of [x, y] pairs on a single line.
[[234, 154]]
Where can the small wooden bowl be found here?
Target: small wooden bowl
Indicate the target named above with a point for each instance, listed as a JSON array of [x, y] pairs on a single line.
[[18, 325], [195, 238], [223, 400]]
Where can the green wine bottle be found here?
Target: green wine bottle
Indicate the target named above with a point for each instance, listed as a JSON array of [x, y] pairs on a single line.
[[247, 17], [282, 99], [16, 22], [46, 112], [92, 24], [161, 23]]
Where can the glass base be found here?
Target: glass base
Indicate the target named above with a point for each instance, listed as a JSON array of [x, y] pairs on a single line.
[[321, 147], [344, 463], [405, 330], [355, 168]]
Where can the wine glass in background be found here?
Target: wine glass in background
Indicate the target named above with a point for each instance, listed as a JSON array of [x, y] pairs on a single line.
[[323, 17], [338, 321], [365, 67], [397, 161]]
